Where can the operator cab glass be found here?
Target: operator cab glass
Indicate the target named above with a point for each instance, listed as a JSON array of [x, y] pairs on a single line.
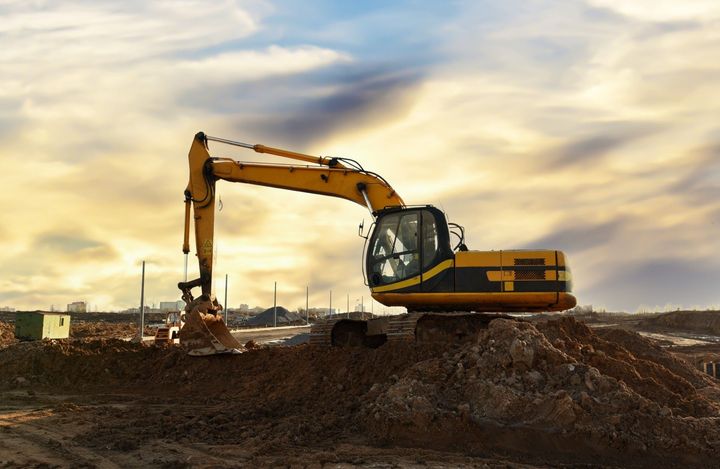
[[403, 243]]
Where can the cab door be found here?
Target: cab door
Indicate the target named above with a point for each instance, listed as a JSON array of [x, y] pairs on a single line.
[[437, 256], [394, 255]]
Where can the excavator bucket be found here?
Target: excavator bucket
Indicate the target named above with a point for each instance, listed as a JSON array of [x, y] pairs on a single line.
[[206, 334]]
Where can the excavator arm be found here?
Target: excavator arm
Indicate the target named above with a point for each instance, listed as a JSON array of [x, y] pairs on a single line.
[[328, 176]]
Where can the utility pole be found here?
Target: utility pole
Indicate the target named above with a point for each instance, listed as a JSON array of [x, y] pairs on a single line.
[[142, 302], [348, 305], [362, 307], [307, 312], [275, 306], [330, 308], [226, 303]]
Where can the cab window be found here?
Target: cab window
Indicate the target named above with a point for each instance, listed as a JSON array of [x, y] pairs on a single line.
[[430, 240], [394, 251]]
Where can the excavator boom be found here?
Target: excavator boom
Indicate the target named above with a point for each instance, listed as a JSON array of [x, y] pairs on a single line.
[[203, 332]]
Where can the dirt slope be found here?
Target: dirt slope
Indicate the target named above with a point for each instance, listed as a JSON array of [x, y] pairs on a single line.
[[704, 322]]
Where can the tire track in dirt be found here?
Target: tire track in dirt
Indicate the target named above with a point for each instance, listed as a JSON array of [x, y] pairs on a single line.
[[22, 432]]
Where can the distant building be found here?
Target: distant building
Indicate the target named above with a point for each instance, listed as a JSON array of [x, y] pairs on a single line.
[[166, 306], [77, 307], [40, 325], [7, 309]]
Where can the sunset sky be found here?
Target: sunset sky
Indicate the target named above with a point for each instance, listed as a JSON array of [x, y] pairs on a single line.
[[587, 126]]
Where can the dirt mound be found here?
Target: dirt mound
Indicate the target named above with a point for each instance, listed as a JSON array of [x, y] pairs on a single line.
[[703, 322], [553, 392], [270, 316], [72, 364], [7, 334], [555, 389], [87, 329], [643, 366]]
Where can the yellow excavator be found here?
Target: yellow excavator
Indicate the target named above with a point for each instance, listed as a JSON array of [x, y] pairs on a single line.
[[409, 260]]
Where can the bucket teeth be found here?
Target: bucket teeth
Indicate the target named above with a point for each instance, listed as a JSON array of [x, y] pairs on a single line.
[[205, 333]]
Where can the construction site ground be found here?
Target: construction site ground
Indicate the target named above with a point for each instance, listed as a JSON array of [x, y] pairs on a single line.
[[544, 391]]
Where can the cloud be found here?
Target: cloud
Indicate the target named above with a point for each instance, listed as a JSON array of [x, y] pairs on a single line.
[[699, 183], [663, 10], [660, 281], [72, 245], [609, 138], [354, 101], [252, 65], [574, 238]]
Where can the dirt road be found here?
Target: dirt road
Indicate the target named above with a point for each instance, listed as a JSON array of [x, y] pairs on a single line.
[[52, 431], [270, 334]]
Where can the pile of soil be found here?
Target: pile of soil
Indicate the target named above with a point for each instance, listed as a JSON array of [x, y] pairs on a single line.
[[557, 387], [7, 334], [89, 329], [703, 322], [553, 392], [270, 316]]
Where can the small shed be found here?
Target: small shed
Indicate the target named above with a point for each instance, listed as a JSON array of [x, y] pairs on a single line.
[[37, 325]]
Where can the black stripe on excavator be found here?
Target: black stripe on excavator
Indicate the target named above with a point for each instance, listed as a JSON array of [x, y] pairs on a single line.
[[475, 280], [547, 286], [441, 283]]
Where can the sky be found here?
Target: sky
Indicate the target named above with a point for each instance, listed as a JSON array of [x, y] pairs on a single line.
[[589, 126]]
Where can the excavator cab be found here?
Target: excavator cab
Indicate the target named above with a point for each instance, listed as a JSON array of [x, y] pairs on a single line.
[[406, 243]]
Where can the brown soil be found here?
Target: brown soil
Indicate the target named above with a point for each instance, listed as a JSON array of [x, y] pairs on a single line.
[[521, 395], [88, 329], [7, 334], [704, 322]]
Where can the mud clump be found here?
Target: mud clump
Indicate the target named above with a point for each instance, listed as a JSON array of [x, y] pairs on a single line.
[[7, 334]]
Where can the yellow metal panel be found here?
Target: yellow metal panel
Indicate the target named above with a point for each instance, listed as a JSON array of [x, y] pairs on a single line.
[[397, 285], [495, 275], [503, 301], [509, 286], [478, 259], [561, 259], [564, 275], [550, 275]]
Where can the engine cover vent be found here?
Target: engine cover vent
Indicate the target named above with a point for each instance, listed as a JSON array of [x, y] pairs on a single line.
[[529, 275], [530, 261]]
